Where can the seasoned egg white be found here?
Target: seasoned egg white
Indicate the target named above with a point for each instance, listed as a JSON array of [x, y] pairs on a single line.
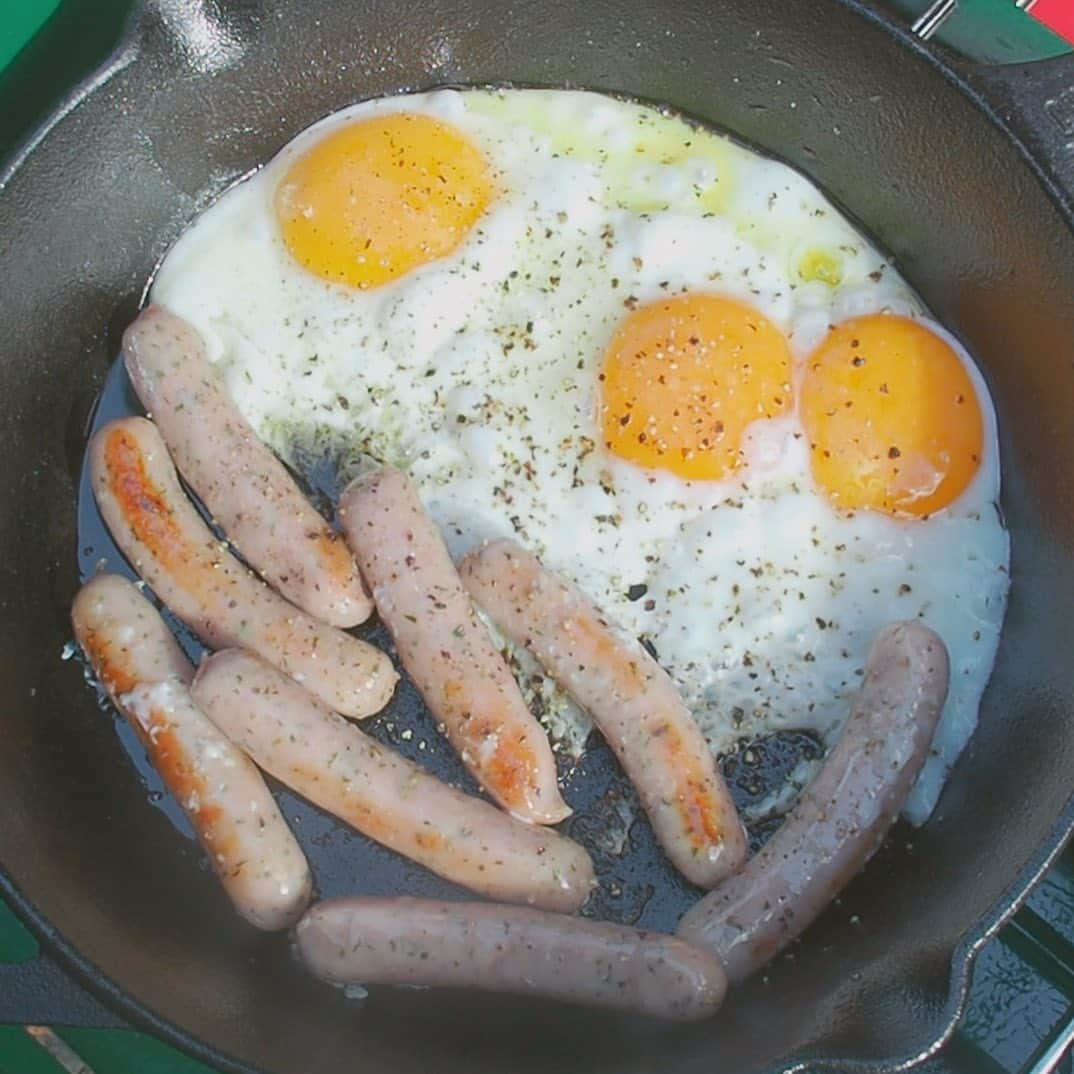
[[479, 373]]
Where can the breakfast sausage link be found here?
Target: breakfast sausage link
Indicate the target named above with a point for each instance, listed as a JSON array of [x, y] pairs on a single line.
[[193, 572], [124, 637], [246, 488], [842, 816], [631, 699], [407, 941], [338, 767], [137, 661], [445, 649]]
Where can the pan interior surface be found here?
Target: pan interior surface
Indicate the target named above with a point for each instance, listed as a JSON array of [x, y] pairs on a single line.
[[201, 97]]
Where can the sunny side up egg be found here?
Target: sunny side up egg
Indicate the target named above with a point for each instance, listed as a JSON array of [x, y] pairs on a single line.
[[664, 363]]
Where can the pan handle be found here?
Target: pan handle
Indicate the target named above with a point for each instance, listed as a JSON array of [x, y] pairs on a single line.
[[1035, 102], [40, 992]]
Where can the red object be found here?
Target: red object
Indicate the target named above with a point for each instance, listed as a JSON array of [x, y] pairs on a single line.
[[1057, 15]]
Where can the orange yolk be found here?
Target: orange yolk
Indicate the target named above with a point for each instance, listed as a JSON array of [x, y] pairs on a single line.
[[893, 420], [381, 196], [684, 377]]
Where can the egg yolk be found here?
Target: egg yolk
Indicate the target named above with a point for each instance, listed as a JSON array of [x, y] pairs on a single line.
[[893, 420], [381, 196], [684, 377]]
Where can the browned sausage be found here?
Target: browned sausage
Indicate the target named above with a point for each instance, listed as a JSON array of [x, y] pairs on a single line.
[[842, 816], [138, 662], [631, 699], [167, 542], [246, 488], [509, 949], [386, 797], [444, 648]]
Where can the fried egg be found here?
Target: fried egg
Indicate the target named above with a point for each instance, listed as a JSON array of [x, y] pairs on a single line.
[[666, 364]]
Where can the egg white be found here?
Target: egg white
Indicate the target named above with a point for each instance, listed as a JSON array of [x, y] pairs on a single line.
[[478, 374]]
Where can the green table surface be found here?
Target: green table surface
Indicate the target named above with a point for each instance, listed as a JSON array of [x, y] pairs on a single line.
[[988, 30], [20, 20]]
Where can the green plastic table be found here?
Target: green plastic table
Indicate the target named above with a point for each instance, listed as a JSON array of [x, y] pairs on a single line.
[[1023, 993]]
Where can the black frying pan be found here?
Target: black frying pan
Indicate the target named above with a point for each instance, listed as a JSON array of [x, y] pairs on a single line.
[[963, 174]]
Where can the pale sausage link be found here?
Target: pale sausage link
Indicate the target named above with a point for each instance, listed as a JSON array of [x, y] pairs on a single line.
[[338, 767], [509, 949], [446, 651], [137, 661], [630, 698], [842, 816], [246, 488], [223, 602]]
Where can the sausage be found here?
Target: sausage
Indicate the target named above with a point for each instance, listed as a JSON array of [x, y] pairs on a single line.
[[630, 698], [193, 572], [124, 637], [143, 670], [446, 651], [246, 488], [407, 941], [842, 816], [338, 767]]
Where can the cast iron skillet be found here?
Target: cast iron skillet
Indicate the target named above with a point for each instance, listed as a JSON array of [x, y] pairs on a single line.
[[965, 175]]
